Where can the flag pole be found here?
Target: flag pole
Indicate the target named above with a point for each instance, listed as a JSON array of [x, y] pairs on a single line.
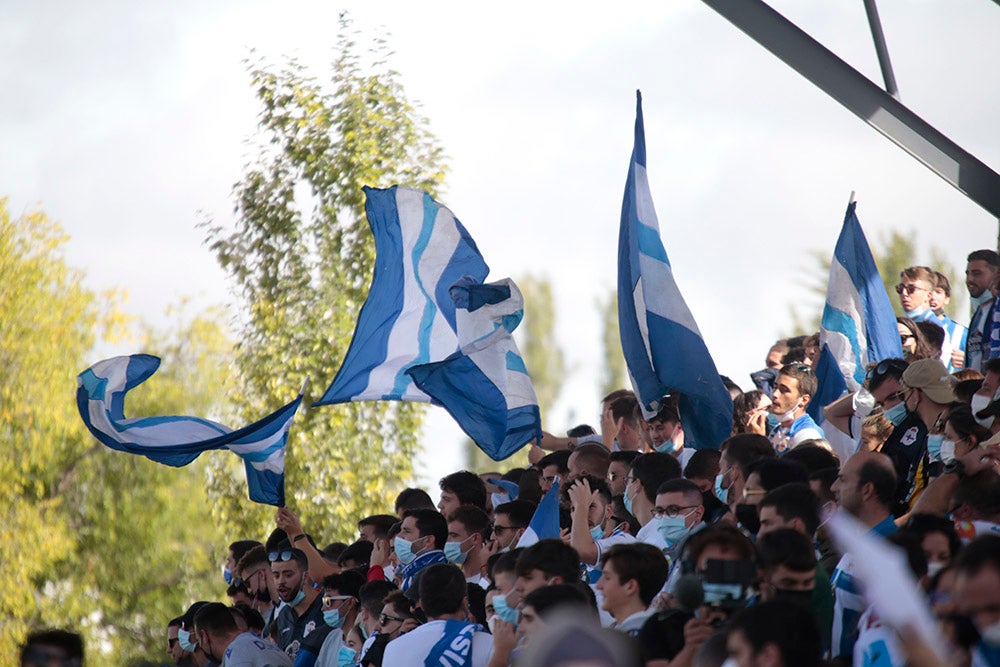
[[851, 200]]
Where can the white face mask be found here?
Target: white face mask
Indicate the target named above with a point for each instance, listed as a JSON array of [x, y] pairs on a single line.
[[788, 416], [980, 402], [947, 451], [934, 568]]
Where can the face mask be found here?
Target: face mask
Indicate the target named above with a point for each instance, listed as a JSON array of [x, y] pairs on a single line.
[[788, 416], [299, 597], [934, 568], [802, 598], [227, 575], [897, 413], [628, 502], [983, 298], [491, 623], [453, 551], [597, 532], [404, 550], [345, 656], [673, 529], [748, 518], [947, 450], [503, 610], [730, 662], [772, 422], [980, 402], [991, 635], [390, 572], [332, 618], [934, 444], [668, 447], [721, 492], [184, 639]]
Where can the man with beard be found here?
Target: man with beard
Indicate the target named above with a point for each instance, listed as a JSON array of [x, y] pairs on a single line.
[[299, 626]]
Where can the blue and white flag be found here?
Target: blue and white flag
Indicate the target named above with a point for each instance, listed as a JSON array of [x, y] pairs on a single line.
[[858, 325], [663, 347], [408, 318], [178, 440], [544, 524], [485, 385]]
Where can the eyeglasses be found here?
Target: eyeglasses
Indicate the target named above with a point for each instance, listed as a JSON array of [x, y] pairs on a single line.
[[909, 289], [753, 492], [275, 556], [330, 600], [671, 510], [497, 530], [550, 478], [629, 479], [385, 618]]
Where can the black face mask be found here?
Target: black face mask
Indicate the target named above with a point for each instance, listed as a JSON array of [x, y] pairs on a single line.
[[748, 518], [801, 598]]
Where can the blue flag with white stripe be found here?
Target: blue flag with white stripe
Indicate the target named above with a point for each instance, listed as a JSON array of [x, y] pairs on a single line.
[[178, 440], [544, 524], [409, 317], [858, 325], [663, 347], [485, 385]]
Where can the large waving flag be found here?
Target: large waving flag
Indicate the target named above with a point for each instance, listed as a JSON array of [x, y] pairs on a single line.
[[485, 385], [178, 440], [663, 347], [544, 524], [858, 326], [408, 318]]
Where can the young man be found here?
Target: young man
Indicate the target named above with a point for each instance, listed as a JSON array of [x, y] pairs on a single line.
[[299, 625], [916, 284], [776, 634], [618, 469], [592, 530], [552, 467], [221, 640], [544, 563], [632, 576], [340, 611], [647, 473], [509, 523], [980, 275], [793, 389], [420, 542], [955, 335], [461, 488], [467, 530]]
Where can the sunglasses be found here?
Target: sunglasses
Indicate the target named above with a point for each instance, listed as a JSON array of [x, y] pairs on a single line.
[[330, 600], [883, 367], [385, 618], [802, 368], [276, 556], [909, 289]]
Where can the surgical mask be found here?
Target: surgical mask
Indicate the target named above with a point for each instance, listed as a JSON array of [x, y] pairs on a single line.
[[897, 413], [628, 502], [934, 444], [980, 402], [491, 623], [390, 572], [787, 416], [184, 639], [934, 567], [332, 618], [597, 532], [227, 575], [673, 529], [947, 450], [983, 298], [668, 447], [504, 611], [299, 597], [991, 635], [404, 550], [346, 656], [453, 551], [772, 422], [721, 492]]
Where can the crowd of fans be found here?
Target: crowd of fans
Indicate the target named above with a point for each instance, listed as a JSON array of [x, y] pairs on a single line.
[[669, 556]]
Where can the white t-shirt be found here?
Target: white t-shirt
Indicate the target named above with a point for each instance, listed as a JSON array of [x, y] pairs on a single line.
[[249, 650], [411, 649], [650, 535]]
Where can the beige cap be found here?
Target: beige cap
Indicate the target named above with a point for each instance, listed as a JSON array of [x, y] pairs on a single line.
[[931, 377]]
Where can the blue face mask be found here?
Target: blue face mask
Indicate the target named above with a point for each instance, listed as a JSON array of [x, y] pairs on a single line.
[[503, 610], [299, 597], [332, 618], [184, 639], [404, 550], [597, 532], [983, 298], [453, 552], [897, 413], [934, 446], [345, 656], [772, 421], [228, 576], [672, 528], [628, 502], [720, 492]]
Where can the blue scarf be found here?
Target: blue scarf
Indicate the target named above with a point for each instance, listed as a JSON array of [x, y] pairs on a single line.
[[432, 557], [455, 647]]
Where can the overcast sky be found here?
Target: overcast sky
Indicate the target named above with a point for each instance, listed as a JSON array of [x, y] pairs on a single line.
[[128, 122]]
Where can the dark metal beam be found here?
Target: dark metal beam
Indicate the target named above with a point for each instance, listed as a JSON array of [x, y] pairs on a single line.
[[865, 99], [881, 50]]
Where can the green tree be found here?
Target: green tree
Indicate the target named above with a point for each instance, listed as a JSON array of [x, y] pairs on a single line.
[[614, 375], [301, 258]]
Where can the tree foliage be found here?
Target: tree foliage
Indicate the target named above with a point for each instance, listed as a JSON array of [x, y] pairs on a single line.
[[110, 544], [301, 258]]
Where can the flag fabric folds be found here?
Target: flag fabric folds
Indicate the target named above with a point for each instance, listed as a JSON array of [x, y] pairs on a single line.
[[178, 440], [485, 385], [408, 318], [544, 524], [858, 325], [663, 347]]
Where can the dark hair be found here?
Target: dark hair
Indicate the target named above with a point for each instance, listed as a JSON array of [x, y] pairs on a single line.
[[215, 618], [413, 499], [360, 552], [348, 582], [965, 424], [373, 594], [251, 616], [399, 602], [442, 589], [933, 335], [883, 481], [989, 256], [654, 469], [743, 406], [594, 457], [782, 623], [788, 547], [626, 408], [812, 457], [980, 491], [504, 562], [910, 543], [554, 597], [596, 484], [984, 551], [924, 350], [559, 459], [626, 456], [826, 477], [642, 562], [703, 464], [580, 431], [380, 522], [726, 536], [794, 501], [553, 557], [187, 620], [803, 375], [467, 486], [669, 413], [430, 522], [519, 511], [476, 595], [681, 485], [745, 448], [893, 367], [620, 513], [276, 539], [70, 642], [472, 518], [925, 524], [777, 472], [240, 547], [332, 551], [256, 556]]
